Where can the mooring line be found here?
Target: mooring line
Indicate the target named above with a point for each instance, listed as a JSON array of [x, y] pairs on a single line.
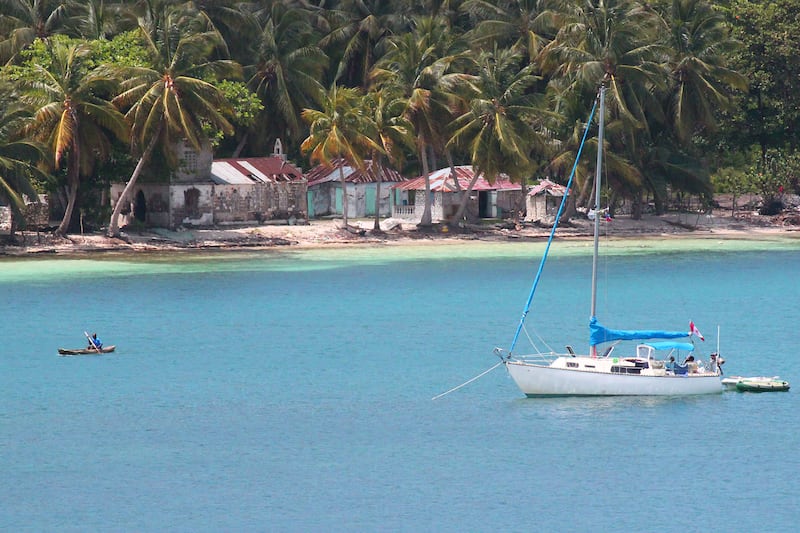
[[467, 382]]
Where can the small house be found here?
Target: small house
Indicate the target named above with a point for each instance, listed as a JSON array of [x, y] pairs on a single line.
[[486, 200], [325, 194], [543, 200]]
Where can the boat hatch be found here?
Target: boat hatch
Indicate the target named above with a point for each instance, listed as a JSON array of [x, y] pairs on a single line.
[[616, 369]]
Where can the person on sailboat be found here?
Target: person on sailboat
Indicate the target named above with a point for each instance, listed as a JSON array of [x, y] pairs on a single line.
[[94, 342]]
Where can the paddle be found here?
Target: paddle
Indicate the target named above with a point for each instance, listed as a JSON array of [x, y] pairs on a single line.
[[91, 341]]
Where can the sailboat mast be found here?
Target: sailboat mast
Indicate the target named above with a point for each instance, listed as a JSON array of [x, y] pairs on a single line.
[[597, 179]]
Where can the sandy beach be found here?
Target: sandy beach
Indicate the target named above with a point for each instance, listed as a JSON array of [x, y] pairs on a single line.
[[331, 233]]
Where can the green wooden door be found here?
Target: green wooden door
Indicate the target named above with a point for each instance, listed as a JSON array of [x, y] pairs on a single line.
[[310, 201], [370, 198]]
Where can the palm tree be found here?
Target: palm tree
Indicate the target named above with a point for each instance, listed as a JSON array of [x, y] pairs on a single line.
[[499, 128], [702, 84], [522, 25], [285, 71], [23, 21], [422, 67], [18, 157], [71, 117], [615, 42], [171, 101], [234, 21], [98, 19], [340, 131], [359, 30], [394, 136]]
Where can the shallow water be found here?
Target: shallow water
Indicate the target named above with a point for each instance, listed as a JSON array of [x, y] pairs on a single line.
[[291, 391]]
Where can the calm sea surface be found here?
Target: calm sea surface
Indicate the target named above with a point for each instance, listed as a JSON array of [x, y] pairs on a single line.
[[291, 391]]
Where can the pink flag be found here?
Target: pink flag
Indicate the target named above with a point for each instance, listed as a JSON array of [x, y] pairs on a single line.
[[694, 331]]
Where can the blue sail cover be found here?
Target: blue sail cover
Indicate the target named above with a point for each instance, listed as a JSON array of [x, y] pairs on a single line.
[[669, 345], [600, 334]]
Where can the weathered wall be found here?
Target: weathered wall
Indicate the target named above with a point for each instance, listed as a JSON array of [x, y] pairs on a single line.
[[263, 201], [156, 203], [202, 204], [323, 196], [185, 210]]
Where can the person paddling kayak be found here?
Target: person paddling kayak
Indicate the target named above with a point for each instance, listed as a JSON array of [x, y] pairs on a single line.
[[94, 342]]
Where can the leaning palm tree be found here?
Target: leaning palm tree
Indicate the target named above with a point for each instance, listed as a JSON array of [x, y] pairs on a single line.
[[71, 116], [170, 101], [340, 132]]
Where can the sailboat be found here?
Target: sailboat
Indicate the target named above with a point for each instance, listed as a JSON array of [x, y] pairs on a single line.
[[651, 370]]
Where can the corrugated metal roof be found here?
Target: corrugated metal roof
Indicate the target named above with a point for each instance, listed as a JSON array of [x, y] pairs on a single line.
[[442, 181], [223, 173], [246, 171], [551, 188], [324, 174]]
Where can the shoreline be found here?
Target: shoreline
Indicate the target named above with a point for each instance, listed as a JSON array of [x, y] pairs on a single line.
[[332, 234]]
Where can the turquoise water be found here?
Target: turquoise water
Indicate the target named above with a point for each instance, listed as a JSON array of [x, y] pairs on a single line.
[[291, 391]]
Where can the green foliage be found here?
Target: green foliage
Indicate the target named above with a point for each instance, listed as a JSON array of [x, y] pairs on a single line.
[[40, 53], [732, 180], [127, 49], [245, 104], [779, 173], [770, 111]]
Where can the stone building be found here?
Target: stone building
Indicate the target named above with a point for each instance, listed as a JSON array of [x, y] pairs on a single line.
[[206, 192]]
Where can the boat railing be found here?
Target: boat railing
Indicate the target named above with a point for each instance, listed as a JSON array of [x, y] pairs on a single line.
[[538, 358]]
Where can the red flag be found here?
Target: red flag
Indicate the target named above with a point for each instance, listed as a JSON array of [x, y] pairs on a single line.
[[694, 331]]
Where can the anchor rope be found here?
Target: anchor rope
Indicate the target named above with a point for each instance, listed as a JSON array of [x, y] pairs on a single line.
[[467, 382]]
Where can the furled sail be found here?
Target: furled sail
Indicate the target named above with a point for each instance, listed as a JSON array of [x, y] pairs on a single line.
[[600, 334]]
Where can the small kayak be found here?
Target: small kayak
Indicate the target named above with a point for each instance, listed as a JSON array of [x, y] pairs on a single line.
[[87, 351], [756, 384], [762, 385]]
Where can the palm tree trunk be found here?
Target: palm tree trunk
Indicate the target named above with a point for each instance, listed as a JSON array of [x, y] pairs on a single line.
[[379, 171], [344, 192], [113, 226], [240, 146], [72, 195], [464, 199], [73, 180], [426, 220]]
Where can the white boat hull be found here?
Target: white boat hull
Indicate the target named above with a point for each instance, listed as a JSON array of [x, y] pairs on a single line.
[[543, 380]]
